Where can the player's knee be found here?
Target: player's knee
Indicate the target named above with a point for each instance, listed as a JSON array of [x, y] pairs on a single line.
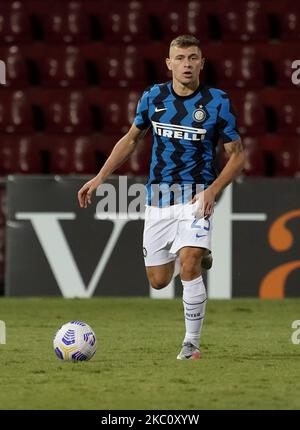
[[190, 268], [159, 277], [158, 284]]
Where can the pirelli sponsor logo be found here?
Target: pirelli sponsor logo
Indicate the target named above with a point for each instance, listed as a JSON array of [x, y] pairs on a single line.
[[178, 131]]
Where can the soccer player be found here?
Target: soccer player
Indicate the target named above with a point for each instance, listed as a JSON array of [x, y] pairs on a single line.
[[187, 119]]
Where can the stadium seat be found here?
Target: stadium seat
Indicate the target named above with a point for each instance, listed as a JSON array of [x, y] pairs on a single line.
[[189, 17], [244, 21], [72, 155], [66, 22], [288, 158], [28, 157], [18, 154], [239, 67], [290, 21], [139, 162], [62, 67], [16, 68], [155, 55], [288, 112], [122, 67], [15, 112], [8, 163], [104, 143], [14, 22], [270, 142], [251, 116], [255, 164], [65, 111], [118, 109], [122, 22]]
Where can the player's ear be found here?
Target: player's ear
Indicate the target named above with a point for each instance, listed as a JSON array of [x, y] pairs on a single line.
[[202, 63], [168, 63]]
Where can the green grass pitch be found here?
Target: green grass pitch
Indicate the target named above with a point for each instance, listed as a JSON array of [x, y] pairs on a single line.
[[249, 360]]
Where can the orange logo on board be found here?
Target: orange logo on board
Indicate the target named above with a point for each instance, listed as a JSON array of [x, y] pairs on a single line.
[[281, 240]]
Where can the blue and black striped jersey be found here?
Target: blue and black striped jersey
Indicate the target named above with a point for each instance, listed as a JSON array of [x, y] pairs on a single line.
[[186, 130]]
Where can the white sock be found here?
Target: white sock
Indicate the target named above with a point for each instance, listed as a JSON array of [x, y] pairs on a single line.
[[194, 303]]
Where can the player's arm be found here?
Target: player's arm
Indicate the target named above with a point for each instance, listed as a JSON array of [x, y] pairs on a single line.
[[233, 167], [226, 123], [120, 153], [228, 132]]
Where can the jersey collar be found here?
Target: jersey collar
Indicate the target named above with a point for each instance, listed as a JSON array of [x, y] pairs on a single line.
[[200, 87]]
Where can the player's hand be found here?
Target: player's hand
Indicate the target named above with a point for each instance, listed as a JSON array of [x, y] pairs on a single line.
[[85, 193], [206, 202]]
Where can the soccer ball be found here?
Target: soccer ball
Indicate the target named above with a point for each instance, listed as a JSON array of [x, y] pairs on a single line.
[[75, 341]]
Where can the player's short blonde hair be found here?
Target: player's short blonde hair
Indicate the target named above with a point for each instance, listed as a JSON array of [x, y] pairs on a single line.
[[185, 41]]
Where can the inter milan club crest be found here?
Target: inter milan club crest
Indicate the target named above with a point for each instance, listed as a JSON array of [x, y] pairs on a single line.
[[199, 115]]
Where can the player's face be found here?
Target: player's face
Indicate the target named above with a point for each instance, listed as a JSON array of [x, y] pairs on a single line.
[[185, 64]]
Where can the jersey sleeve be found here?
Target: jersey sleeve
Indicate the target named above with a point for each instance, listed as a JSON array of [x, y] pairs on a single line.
[[226, 121], [142, 120]]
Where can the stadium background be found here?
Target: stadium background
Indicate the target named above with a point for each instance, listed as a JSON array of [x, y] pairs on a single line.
[[76, 69]]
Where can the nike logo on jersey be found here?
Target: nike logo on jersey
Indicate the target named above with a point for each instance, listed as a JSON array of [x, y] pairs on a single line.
[[160, 110], [201, 235]]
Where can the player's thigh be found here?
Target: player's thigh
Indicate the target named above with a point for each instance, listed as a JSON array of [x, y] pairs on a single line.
[[193, 233], [160, 276], [159, 234]]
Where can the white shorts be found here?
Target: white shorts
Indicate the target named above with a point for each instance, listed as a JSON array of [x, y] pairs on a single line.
[[169, 229]]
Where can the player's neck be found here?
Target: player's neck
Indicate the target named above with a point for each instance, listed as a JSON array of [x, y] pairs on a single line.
[[185, 90]]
